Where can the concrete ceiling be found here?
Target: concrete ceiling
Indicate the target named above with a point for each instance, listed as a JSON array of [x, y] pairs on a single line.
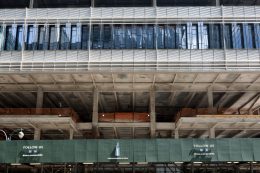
[[127, 92]]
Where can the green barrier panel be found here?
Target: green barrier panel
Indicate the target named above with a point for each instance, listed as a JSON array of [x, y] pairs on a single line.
[[135, 150]]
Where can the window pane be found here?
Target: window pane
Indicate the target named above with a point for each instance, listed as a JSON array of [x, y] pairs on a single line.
[[42, 39], [119, 37], [215, 36], [227, 36], [139, 36], [107, 37], [160, 36], [237, 36], [19, 38], [248, 36], [53, 38], [134, 45], [64, 37], [75, 37], [181, 37], [31, 44], [150, 37], [170, 37], [96, 37], [10, 38], [128, 37], [192, 32], [85, 36], [203, 32]]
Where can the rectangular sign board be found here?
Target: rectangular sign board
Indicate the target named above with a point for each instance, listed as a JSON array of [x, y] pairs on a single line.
[[132, 150]]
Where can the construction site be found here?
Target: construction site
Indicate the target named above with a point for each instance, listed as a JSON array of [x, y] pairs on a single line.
[[153, 86]]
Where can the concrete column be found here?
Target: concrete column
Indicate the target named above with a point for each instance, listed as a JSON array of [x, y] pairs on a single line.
[[212, 134], [152, 113], [37, 134], [39, 101], [176, 134], [71, 133], [95, 113], [210, 101]]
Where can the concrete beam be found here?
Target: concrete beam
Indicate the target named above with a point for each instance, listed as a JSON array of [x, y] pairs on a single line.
[[152, 113], [39, 100], [245, 98], [239, 134]]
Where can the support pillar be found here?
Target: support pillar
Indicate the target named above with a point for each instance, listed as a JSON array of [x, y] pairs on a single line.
[[95, 114], [152, 113], [176, 134], [39, 101], [210, 101], [71, 133], [37, 134], [212, 134]]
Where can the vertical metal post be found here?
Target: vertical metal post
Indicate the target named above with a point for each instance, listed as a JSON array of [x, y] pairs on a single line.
[[154, 3], [31, 5], [92, 3], [251, 168], [133, 168], [217, 2], [6, 168]]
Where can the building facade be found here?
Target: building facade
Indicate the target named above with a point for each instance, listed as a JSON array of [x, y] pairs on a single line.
[[99, 78]]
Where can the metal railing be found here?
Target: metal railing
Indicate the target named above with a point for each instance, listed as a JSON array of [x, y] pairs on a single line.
[[132, 60], [175, 13]]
